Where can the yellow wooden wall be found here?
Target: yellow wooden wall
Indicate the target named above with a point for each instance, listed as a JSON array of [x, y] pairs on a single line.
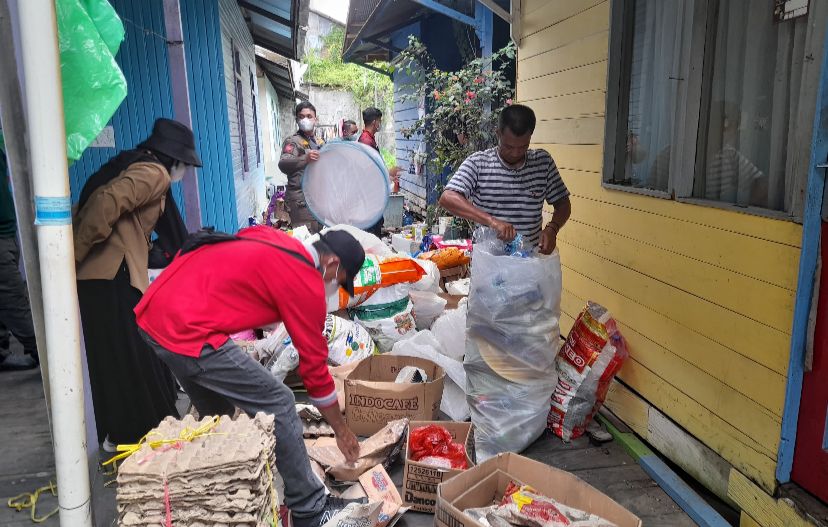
[[704, 296]]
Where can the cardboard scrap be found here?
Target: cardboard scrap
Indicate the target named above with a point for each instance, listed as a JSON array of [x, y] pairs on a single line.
[[356, 515], [225, 476], [381, 448], [378, 486]]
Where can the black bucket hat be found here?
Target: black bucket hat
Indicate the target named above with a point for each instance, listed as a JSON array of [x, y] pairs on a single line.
[[173, 139]]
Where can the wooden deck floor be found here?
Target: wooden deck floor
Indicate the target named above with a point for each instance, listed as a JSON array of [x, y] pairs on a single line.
[[27, 462]]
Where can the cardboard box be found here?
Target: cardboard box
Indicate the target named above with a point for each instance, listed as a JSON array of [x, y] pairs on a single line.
[[373, 399], [420, 480], [486, 483]]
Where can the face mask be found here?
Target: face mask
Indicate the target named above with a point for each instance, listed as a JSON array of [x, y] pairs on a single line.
[[352, 137], [177, 172], [306, 124], [332, 285]]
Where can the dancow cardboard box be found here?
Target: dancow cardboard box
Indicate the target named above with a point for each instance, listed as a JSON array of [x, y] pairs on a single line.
[[420, 480], [486, 483], [373, 399]]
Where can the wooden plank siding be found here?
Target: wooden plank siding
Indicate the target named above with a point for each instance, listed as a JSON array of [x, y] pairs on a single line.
[[704, 296], [249, 185]]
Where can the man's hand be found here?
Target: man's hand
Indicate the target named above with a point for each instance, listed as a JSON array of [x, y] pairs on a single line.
[[313, 155], [549, 239], [345, 439], [347, 443], [505, 231]]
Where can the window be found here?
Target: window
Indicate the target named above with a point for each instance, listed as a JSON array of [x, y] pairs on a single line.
[[255, 99], [239, 91], [702, 101]]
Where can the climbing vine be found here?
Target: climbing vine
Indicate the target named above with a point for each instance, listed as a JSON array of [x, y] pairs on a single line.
[[459, 109]]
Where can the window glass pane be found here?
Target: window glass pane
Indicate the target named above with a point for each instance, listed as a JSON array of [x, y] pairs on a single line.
[[660, 28], [748, 103]]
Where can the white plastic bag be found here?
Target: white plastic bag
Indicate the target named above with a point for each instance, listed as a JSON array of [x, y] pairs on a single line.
[[431, 280], [450, 331], [459, 287], [347, 341], [512, 340], [370, 243], [425, 345], [428, 307]]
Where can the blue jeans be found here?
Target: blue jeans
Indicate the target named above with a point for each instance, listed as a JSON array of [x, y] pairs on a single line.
[[225, 378]]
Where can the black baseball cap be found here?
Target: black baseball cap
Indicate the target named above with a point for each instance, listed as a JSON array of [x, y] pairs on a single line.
[[350, 252]]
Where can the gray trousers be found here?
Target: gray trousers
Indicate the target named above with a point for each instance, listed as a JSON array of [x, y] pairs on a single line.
[[15, 312], [220, 380]]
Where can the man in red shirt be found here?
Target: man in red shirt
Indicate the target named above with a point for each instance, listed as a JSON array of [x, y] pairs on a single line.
[[259, 277], [372, 123]]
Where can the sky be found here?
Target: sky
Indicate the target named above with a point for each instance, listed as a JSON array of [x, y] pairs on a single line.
[[336, 9]]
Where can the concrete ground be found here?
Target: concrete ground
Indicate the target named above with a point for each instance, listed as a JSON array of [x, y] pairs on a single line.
[[27, 462]]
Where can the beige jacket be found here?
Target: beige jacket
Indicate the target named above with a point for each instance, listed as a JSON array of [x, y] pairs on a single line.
[[116, 224]]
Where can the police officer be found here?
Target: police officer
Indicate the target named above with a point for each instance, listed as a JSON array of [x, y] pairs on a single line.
[[297, 151]]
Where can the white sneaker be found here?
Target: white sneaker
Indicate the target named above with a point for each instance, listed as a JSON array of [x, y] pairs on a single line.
[[109, 446]]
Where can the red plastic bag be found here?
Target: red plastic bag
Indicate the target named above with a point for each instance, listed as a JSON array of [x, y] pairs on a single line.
[[433, 444], [593, 353]]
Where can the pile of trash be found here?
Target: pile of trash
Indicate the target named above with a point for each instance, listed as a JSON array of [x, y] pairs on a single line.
[[522, 506], [218, 471]]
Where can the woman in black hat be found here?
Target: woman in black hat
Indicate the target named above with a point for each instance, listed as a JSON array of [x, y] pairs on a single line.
[[119, 208]]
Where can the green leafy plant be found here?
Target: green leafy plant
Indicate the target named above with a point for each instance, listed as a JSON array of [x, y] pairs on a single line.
[[461, 108], [325, 68]]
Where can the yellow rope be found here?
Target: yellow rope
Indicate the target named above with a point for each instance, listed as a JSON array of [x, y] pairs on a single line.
[[185, 436], [28, 500], [272, 493]]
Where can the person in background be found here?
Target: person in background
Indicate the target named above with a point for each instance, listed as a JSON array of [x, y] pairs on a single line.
[[15, 312], [372, 123], [505, 187], [297, 151], [254, 279], [118, 210], [350, 131]]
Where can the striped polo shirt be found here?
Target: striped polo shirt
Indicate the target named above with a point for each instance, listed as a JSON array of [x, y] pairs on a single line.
[[511, 195]]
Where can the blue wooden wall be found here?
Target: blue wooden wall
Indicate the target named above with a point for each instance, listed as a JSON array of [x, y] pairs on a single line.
[[438, 34], [208, 106], [143, 59]]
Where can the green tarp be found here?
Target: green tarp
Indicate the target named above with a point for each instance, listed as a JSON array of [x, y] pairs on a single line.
[[90, 34]]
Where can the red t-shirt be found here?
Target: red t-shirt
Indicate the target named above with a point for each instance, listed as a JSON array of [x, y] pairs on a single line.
[[205, 296], [367, 138]]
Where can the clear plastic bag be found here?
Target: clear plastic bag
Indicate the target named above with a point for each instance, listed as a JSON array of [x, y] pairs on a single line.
[[507, 416], [514, 309], [512, 340]]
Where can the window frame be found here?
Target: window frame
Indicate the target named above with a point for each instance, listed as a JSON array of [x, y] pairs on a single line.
[[238, 84], [684, 164]]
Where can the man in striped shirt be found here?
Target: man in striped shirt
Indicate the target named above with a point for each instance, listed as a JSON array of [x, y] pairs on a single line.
[[505, 187]]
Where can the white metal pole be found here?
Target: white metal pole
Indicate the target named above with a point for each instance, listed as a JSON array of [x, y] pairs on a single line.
[[47, 141]]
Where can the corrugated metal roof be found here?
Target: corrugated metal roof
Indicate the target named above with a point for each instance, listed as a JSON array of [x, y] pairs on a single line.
[[276, 24]]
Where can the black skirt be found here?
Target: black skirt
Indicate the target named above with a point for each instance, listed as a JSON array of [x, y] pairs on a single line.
[[132, 390]]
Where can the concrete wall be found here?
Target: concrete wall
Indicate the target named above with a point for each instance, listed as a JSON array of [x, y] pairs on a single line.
[[332, 106]]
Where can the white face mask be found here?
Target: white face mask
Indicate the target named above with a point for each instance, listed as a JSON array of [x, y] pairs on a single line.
[[178, 171], [352, 137], [332, 286], [306, 124]]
